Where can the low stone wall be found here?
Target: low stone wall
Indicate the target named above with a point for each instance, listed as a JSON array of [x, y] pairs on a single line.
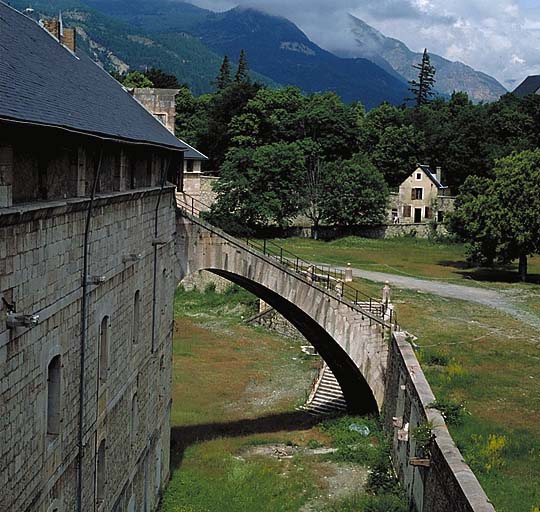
[[419, 230], [444, 482]]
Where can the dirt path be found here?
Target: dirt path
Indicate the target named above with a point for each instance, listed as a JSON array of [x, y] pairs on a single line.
[[486, 297]]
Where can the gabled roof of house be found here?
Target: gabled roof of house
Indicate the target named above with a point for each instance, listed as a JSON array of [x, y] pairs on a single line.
[[43, 83], [431, 175], [530, 85]]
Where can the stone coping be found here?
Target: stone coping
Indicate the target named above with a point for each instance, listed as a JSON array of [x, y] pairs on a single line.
[[463, 475], [26, 212]]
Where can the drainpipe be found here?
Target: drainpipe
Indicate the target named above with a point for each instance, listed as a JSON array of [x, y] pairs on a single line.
[[164, 174], [84, 312]]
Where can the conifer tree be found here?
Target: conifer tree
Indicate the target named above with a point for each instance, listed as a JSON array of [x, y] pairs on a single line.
[[422, 88], [224, 77], [242, 73]]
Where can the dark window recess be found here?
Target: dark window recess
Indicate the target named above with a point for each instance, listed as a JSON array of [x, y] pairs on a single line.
[[429, 213], [53, 397], [417, 193], [406, 211], [189, 165], [440, 216]]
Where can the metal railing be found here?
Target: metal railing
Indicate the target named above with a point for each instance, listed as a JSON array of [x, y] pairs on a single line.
[[322, 276]]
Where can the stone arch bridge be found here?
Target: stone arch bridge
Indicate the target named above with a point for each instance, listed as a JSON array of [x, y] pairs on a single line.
[[351, 336], [375, 365]]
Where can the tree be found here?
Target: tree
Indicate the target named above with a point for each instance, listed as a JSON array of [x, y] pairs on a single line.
[[355, 193], [498, 218], [260, 187], [135, 79], [422, 88], [224, 78], [162, 80], [242, 72]]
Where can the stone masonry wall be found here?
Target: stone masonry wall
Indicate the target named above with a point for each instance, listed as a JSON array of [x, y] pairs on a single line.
[[445, 483], [41, 249]]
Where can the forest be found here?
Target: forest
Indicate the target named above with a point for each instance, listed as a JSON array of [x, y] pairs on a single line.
[[281, 153]]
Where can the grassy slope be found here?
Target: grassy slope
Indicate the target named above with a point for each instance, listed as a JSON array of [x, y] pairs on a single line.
[[222, 373], [234, 391], [490, 360]]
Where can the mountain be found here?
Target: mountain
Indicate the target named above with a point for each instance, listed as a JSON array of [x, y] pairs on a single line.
[[392, 54], [275, 47], [120, 46]]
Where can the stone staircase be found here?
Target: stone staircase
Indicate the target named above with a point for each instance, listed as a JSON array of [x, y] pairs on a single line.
[[326, 399]]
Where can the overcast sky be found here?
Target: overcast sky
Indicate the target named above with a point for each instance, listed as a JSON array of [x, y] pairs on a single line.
[[499, 37]]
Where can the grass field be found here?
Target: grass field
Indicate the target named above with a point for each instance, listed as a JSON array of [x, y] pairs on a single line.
[[235, 389], [408, 256], [470, 353]]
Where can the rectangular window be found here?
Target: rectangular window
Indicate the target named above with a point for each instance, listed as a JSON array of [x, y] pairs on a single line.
[[440, 216], [428, 213], [406, 211], [189, 165], [417, 193], [418, 176]]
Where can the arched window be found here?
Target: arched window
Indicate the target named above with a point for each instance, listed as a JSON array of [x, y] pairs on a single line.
[[54, 384], [136, 316], [100, 473], [134, 426], [164, 291], [103, 349]]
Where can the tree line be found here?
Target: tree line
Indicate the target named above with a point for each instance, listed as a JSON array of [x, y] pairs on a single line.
[[281, 153]]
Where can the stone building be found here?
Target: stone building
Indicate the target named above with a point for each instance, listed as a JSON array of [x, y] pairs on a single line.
[[422, 198], [87, 217], [161, 103]]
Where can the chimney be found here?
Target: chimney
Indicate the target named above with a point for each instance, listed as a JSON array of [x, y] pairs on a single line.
[[69, 39], [52, 25], [66, 36], [159, 102], [438, 174]]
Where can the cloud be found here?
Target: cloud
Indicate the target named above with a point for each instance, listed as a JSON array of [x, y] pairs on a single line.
[[499, 37]]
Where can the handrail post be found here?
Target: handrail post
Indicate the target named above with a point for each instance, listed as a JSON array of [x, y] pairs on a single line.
[[296, 266], [281, 254], [264, 246], [356, 297], [370, 304], [192, 206]]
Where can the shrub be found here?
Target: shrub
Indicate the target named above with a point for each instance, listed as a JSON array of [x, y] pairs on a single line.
[[451, 410], [486, 455]]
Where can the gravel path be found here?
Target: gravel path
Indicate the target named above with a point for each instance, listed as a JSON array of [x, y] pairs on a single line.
[[486, 297]]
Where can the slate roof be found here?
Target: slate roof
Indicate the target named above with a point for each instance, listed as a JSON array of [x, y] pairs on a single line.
[[431, 175], [192, 153], [530, 85], [43, 83]]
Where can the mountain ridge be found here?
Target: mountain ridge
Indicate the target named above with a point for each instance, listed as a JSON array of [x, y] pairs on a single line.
[[450, 75]]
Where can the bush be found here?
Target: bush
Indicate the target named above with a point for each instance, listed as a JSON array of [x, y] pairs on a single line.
[[451, 410]]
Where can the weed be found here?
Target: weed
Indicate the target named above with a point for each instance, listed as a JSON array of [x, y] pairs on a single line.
[[451, 410], [313, 444], [363, 503], [353, 446], [486, 455], [423, 435]]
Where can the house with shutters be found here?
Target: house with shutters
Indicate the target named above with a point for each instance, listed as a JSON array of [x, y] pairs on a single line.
[[422, 198]]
